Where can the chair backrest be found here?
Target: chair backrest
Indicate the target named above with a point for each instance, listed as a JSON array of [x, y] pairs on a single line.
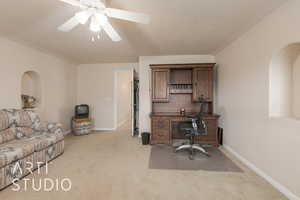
[[200, 125]]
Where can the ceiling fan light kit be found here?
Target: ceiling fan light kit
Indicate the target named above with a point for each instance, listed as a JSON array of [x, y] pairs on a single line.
[[95, 26], [98, 14]]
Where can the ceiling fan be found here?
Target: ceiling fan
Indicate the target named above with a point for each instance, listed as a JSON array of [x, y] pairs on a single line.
[[96, 11]]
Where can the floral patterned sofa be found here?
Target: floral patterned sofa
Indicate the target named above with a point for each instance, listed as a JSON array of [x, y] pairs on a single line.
[[24, 140]]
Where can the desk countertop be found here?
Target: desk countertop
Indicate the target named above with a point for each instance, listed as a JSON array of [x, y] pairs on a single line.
[[177, 114]]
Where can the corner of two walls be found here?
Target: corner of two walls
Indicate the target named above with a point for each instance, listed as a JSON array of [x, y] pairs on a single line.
[[57, 80], [96, 87]]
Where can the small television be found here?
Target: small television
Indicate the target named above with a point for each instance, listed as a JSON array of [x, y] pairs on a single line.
[[82, 111]]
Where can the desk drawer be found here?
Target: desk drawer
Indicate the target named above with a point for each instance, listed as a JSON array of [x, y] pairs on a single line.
[[160, 133]]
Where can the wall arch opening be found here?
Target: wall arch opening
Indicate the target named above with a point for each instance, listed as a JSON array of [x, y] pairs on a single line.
[[31, 91], [284, 93]]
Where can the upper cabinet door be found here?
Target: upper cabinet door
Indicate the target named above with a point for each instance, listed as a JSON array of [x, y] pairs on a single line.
[[160, 85], [203, 83]]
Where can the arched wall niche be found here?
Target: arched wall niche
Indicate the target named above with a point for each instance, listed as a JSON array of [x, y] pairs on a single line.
[[31, 87], [284, 93]]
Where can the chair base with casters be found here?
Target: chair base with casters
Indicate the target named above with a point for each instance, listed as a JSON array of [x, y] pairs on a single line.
[[192, 148], [196, 127]]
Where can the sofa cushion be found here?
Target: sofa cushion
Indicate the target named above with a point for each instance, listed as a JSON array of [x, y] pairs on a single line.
[[22, 132], [7, 135], [14, 150], [26, 118], [20, 118], [5, 120], [55, 128], [43, 140]]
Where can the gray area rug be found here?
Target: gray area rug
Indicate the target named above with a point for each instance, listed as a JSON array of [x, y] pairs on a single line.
[[163, 157]]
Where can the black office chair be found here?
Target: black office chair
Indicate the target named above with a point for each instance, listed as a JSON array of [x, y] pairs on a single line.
[[196, 127]]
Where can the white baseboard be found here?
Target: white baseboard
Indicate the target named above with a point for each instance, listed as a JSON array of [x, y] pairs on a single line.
[[268, 178], [104, 129], [67, 132]]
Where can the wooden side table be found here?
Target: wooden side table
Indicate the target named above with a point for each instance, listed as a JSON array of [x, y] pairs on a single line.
[[82, 126]]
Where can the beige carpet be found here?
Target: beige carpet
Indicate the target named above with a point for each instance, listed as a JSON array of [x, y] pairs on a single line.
[[113, 165]]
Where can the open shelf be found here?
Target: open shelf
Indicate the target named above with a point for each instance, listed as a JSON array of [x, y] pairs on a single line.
[[180, 84], [181, 88], [173, 91]]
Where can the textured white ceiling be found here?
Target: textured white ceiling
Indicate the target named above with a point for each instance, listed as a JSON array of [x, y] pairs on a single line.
[[177, 27]]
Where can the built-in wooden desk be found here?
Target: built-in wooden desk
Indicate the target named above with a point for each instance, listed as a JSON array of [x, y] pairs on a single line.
[[164, 128], [177, 87]]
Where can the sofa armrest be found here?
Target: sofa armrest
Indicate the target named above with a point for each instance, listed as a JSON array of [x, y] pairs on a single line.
[[53, 128]]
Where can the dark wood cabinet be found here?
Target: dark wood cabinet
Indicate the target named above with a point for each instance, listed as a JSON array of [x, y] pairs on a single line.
[[203, 83], [160, 85], [163, 125], [212, 130], [161, 130]]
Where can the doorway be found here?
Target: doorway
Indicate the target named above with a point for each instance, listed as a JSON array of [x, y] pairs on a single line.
[[124, 100]]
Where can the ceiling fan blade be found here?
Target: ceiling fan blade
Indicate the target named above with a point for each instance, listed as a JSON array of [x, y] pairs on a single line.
[[83, 16], [74, 3], [111, 32], [126, 15], [69, 25]]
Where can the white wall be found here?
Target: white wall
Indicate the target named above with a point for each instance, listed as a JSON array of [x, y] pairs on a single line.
[[96, 88], [272, 145], [124, 79], [58, 79], [145, 78]]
